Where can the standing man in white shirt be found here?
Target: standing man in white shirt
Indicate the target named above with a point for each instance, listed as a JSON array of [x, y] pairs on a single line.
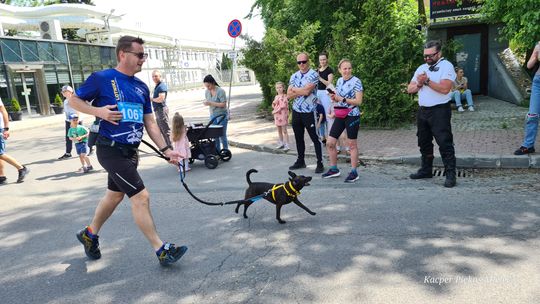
[[433, 82]]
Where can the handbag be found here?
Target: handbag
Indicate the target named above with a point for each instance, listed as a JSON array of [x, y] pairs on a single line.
[[342, 112]]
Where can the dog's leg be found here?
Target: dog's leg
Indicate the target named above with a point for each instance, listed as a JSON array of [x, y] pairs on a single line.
[[297, 202], [237, 207], [246, 206], [278, 214]]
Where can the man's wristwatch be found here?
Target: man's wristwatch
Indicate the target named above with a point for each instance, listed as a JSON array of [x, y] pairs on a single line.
[[427, 82], [6, 129], [165, 148]]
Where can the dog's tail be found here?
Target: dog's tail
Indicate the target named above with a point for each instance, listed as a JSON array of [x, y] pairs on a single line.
[[248, 174]]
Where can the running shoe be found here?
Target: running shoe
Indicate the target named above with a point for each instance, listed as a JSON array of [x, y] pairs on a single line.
[[90, 243], [170, 254]]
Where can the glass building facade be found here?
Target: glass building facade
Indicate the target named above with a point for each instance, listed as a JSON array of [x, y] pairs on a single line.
[[39, 68]]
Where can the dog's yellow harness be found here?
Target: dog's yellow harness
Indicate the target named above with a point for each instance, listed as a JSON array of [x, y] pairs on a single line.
[[294, 194]]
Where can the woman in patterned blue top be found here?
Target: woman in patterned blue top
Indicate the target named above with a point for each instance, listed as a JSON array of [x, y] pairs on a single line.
[[347, 98]]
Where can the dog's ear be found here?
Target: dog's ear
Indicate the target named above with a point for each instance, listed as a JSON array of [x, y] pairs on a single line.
[[291, 174]]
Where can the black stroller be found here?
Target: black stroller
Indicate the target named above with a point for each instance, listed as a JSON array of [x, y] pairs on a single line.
[[203, 143]]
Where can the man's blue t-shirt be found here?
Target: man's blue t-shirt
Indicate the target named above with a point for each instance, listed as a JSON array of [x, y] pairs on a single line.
[[161, 87], [111, 87], [304, 104]]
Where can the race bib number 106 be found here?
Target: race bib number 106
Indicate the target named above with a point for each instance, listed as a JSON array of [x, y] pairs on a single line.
[[131, 112]]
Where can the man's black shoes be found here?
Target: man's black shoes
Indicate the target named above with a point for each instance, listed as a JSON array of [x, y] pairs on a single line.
[[298, 165]]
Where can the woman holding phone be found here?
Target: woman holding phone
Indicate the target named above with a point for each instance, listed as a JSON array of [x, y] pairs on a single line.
[[346, 99]]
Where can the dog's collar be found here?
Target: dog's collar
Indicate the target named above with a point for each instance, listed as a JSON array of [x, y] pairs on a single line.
[[294, 194]]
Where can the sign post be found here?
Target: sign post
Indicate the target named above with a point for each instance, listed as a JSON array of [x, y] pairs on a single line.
[[234, 29]]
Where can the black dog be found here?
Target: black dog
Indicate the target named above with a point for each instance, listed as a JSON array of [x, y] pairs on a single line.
[[278, 194]]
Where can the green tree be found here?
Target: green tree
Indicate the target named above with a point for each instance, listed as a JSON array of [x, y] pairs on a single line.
[[521, 21], [274, 59], [388, 49], [379, 37]]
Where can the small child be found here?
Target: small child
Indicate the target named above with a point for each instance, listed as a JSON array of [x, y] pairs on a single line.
[[321, 122], [79, 134], [180, 141], [280, 107]]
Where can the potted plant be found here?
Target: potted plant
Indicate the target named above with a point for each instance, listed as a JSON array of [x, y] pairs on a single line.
[[58, 105], [14, 110]]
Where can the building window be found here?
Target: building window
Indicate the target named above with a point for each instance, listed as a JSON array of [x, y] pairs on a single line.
[[11, 50]]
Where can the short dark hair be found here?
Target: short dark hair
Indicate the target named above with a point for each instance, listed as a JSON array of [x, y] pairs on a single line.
[[124, 44], [433, 43], [210, 79]]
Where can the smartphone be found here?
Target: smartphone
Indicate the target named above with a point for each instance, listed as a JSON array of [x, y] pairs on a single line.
[[330, 91]]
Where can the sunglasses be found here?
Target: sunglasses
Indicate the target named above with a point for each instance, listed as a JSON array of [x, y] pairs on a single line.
[[140, 55], [301, 62], [430, 56]]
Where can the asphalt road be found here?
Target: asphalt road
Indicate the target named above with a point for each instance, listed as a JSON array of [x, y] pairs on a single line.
[[385, 239]]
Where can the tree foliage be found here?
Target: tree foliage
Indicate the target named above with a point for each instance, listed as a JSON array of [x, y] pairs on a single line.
[[521, 21], [379, 37]]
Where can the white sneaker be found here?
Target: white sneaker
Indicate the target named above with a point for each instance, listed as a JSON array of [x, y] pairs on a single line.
[[460, 109], [471, 109], [286, 148], [280, 147]]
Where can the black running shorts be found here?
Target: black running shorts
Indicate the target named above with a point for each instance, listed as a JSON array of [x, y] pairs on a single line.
[[121, 165], [351, 123]]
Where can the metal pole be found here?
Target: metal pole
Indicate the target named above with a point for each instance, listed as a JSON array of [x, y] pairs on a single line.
[[230, 81]]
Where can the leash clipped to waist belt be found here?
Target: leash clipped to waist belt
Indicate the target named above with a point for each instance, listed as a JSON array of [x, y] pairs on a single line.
[[183, 175]]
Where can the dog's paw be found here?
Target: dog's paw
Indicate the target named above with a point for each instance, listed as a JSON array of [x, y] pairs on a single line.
[[313, 213], [282, 222], [245, 216]]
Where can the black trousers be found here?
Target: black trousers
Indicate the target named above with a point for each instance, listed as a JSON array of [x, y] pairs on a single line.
[[434, 122], [301, 121], [69, 143]]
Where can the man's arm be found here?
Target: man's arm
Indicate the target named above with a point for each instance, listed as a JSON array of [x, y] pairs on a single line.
[[443, 87], [160, 98], [102, 112], [304, 91], [290, 93], [156, 136], [6, 121]]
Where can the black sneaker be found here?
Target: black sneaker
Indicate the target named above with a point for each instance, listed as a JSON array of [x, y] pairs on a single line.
[[170, 254], [319, 168], [90, 168], [22, 173], [91, 244], [297, 165], [3, 180], [524, 150], [65, 156]]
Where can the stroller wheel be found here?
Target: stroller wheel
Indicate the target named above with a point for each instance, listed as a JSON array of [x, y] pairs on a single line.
[[191, 160], [225, 154], [211, 162]]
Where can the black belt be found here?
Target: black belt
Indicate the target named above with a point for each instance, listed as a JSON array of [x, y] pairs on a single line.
[[442, 105], [104, 141]]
